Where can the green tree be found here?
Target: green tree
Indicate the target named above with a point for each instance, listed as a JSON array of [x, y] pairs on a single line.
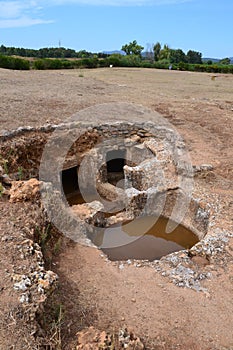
[[225, 61], [165, 53], [157, 49], [177, 56], [194, 57], [132, 48], [3, 50]]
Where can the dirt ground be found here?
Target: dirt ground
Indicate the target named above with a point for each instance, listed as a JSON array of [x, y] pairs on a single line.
[[109, 296]]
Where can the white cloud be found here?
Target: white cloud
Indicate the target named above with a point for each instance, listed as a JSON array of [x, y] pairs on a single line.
[[16, 13], [24, 13], [21, 22], [10, 9]]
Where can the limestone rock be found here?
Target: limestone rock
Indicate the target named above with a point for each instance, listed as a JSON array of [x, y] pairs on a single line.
[[118, 218], [91, 213], [93, 339], [24, 190], [128, 340]]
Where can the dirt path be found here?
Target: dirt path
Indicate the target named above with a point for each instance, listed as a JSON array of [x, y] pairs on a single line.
[[174, 318]]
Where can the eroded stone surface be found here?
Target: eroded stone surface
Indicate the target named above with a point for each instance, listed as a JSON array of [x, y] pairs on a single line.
[[91, 213], [24, 190]]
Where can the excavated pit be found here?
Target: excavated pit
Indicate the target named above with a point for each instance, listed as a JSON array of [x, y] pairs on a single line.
[[144, 238], [152, 245], [121, 192]]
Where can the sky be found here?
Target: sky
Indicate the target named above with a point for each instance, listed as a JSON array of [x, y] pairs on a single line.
[[105, 25]]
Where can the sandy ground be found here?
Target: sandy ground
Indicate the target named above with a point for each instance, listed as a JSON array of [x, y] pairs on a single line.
[[200, 108], [165, 316]]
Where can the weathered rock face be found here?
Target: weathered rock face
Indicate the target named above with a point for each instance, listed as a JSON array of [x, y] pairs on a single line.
[[90, 213], [110, 192], [118, 218], [24, 190]]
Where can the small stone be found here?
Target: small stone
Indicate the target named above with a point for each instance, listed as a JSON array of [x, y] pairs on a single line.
[[121, 267], [200, 261], [133, 300], [24, 298], [6, 180]]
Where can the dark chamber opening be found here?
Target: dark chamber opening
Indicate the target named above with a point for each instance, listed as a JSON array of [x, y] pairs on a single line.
[[115, 161], [69, 178]]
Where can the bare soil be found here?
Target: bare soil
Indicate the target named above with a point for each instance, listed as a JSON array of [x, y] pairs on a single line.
[[92, 290]]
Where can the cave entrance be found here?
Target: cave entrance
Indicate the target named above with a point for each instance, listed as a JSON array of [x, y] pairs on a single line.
[[115, 161], [69, 179], [70, 185]]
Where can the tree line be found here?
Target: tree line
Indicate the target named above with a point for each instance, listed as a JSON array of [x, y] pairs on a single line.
[[165, 54], [48, 52], [160, 57]]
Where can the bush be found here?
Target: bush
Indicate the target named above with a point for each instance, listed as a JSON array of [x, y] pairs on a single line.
[[115, 60], [147, 64], [89, 62], [46, 63], [103, 63], [131, 61], [183, 66], [14, 63], [162, 64]]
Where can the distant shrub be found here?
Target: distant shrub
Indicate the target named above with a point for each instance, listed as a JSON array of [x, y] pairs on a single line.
[[90, 62], [103, 63], [132, 61], [183, 66], [14, 63], [77, 63], [147, 64], [115, 60], [39, 64], [225, 69], [231, 69], [47, 63], [163, 64]]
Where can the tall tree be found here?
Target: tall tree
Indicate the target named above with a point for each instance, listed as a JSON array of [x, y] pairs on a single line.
[[177, 56], [157, 49], [132, 48], [225, 61], [165, 53], [194, 57]]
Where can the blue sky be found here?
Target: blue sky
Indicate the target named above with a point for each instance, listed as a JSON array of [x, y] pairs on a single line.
[[98, 25]]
